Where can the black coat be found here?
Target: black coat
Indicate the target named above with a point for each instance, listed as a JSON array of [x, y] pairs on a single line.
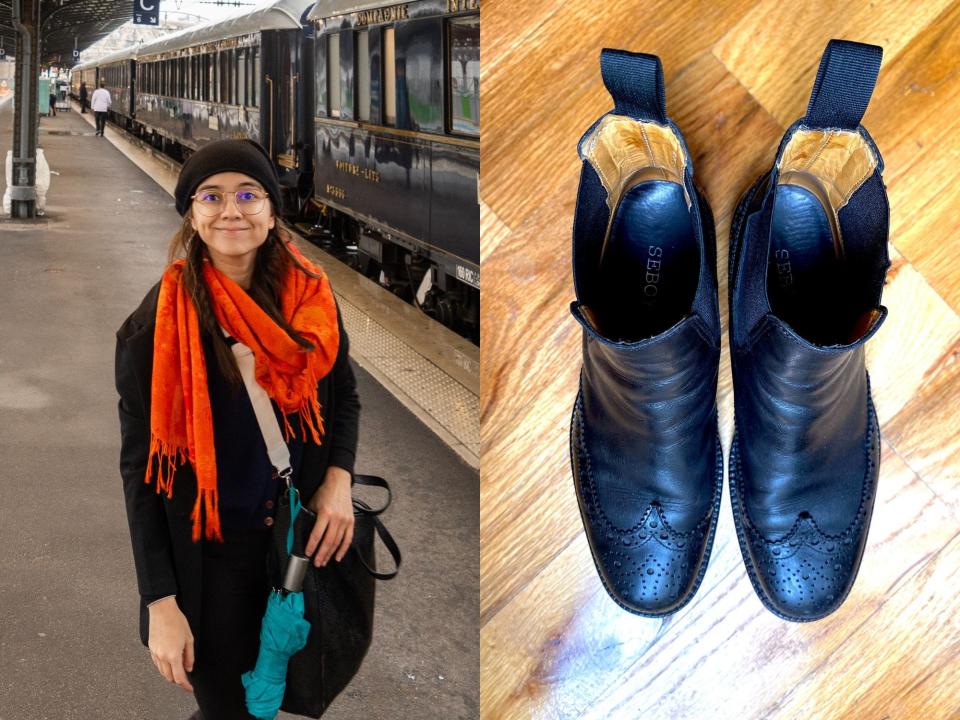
[[167, 561]]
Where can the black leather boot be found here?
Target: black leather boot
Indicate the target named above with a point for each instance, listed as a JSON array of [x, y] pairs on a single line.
[[646, 457], [808, 258]]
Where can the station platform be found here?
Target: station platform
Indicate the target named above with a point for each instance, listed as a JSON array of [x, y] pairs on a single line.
[[68, 638]]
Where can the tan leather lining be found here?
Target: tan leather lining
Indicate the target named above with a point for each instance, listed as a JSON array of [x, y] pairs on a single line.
[[840, 160], [864, 324], [625, 151]]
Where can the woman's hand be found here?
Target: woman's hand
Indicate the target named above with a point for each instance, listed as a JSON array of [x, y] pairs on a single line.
[[171, 642], [333, 504]]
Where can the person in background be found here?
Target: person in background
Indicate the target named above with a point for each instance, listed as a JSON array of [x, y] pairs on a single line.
[[52, 110], [83, 97], [100, 104]]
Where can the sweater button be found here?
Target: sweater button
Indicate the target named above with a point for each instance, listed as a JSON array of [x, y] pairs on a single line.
[[269, 504], [268, 521]]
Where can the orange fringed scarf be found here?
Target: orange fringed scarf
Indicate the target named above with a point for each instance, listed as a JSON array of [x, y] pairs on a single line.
[[181, 422]]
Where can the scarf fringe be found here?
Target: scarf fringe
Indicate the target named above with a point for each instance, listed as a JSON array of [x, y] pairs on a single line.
[[308, 415], [168, 457], [310, 419], [207, 504]]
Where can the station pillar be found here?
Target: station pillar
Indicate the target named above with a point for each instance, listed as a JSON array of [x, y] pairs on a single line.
[[23, 192]]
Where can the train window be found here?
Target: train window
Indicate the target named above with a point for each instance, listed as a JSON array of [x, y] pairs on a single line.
[[255, 79], [320, 76], [233, 78], [234, 83], [211, 89], [363, 76], [241, 77], [389, 77], [463, 98], [347, 75], [333, 74], [215, 74], [222, 76], [419, 75], [224, 64], [375, 75]]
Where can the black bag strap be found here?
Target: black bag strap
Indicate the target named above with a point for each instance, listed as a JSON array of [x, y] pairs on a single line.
[[372, 481], [845, 81], [362, 508], [635, 82], [387, 539]]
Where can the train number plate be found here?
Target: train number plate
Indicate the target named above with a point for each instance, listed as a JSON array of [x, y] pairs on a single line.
[[469, 276]]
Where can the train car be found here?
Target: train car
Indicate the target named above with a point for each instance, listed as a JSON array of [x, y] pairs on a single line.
[[83, 72], [397, 148], [118, 72], [239, 77]]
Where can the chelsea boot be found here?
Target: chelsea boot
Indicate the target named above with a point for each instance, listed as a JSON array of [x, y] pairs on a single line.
[[808, 258], [645, 453]]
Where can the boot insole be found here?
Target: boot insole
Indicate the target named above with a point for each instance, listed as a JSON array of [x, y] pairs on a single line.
[[806, 268], [650, 263]]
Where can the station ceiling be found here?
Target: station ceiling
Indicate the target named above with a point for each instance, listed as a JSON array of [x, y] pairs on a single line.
[[67, 24]]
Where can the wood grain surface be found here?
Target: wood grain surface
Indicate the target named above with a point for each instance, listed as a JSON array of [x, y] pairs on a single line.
[[553, 645]]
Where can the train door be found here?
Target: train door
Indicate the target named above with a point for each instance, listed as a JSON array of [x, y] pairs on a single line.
[[288, 92]]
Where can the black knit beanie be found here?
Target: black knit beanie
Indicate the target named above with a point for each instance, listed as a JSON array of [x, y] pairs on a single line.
[[242, 156]]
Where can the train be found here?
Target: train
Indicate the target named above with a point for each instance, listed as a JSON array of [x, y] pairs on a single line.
[[369, 111]]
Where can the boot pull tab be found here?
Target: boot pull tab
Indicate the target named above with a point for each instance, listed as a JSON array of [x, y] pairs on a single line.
[[635, 82], [845, 81]]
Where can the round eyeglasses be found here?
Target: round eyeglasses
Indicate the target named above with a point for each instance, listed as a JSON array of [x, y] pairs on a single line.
[[212, 202]]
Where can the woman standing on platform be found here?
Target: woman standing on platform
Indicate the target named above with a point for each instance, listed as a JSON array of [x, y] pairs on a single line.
[[200, 490]]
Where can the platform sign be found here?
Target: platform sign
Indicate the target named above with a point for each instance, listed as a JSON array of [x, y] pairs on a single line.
[[3, 54], [146, 12], [76, 54]]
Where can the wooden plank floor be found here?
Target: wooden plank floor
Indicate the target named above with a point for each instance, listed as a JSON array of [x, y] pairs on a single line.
[[553, 645]]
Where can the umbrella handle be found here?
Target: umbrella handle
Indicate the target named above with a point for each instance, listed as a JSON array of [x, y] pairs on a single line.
[[294, 511]]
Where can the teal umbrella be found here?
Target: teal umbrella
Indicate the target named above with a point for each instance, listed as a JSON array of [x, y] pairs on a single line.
[[283, 632]]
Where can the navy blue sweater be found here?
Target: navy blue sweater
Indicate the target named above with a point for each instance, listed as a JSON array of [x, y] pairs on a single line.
[[245, 479]]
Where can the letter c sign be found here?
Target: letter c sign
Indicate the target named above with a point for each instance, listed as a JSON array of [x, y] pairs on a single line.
[[146, 12]]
